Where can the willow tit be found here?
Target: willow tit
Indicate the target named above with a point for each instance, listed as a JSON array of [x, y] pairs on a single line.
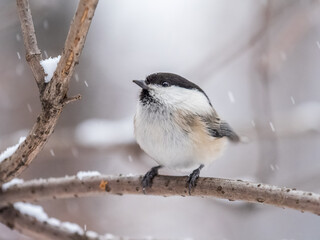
[[176, 125]]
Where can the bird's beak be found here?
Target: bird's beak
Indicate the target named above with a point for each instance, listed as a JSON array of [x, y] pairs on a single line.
[[142, 84]]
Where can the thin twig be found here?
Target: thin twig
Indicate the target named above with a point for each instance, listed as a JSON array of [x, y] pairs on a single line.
[[72, 49], [72, 99], [54, 93], [69, 187], [33, 53]]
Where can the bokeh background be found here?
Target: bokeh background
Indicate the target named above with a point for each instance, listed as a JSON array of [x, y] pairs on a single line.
[[258, 61]]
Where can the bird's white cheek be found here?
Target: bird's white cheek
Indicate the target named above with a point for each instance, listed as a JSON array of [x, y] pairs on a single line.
[[189, 100]]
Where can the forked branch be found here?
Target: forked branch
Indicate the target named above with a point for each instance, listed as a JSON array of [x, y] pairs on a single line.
[[54, 94]]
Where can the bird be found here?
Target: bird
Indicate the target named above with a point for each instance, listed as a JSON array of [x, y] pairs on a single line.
[[177, 126]]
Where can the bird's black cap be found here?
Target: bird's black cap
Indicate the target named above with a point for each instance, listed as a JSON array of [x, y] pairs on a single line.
[[173, 80]]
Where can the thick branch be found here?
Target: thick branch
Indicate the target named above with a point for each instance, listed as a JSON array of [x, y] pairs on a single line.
[[68, 187], [33, 54], [54, 97]]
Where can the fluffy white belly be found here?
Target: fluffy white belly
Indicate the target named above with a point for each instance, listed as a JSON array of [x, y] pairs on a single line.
[[164, 145], [169, 145]]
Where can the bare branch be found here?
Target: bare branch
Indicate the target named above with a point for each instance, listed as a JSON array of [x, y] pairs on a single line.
[[71, 53], [54, 96], [45, 230], [31, 227], [33, 54], [68, 187]]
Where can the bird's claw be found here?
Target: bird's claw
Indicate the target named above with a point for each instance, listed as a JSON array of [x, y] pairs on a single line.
[[192, 180], [148, 178], [193, 177]]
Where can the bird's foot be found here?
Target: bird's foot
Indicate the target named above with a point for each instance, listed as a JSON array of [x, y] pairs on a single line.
[[193, 177], [148, 177]]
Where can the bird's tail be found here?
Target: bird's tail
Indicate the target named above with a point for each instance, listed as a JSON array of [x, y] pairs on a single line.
[[227, 131]]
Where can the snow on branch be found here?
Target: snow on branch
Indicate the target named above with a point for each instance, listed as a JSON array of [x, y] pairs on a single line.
[[73, 186], [53, 95], [49, 66], [10, 150], [32, 221]]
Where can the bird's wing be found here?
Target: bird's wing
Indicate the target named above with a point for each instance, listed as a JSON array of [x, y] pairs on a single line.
[[219, 128]]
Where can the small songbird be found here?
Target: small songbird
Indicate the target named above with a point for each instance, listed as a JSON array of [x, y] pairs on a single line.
[[176, 125]]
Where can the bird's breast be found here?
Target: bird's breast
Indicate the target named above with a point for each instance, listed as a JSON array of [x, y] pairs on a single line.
[[161, 137], [174, 139]]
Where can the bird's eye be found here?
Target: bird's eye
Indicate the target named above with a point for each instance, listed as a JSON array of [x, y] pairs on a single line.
[[147, 81], [165, 84]]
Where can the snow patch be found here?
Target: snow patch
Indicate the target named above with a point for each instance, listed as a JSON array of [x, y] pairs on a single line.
[[31, 210], [92, 234], [130, 175], [248, 178], [49, 66], [100, 132], [11, 183], [10, 150], [37, 212], [71, 227], [87, 174], [109, 236], [54, 222]]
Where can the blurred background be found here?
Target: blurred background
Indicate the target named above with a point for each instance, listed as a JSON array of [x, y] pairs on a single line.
[[258, 61]]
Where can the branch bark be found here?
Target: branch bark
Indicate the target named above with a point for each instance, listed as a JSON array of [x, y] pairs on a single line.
[[43, 230], [30, 226], [33, 53], [53, 95], [69, 187], [56, 91]]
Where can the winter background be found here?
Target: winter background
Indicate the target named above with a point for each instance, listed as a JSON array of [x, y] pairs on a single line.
[[258, 62]]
